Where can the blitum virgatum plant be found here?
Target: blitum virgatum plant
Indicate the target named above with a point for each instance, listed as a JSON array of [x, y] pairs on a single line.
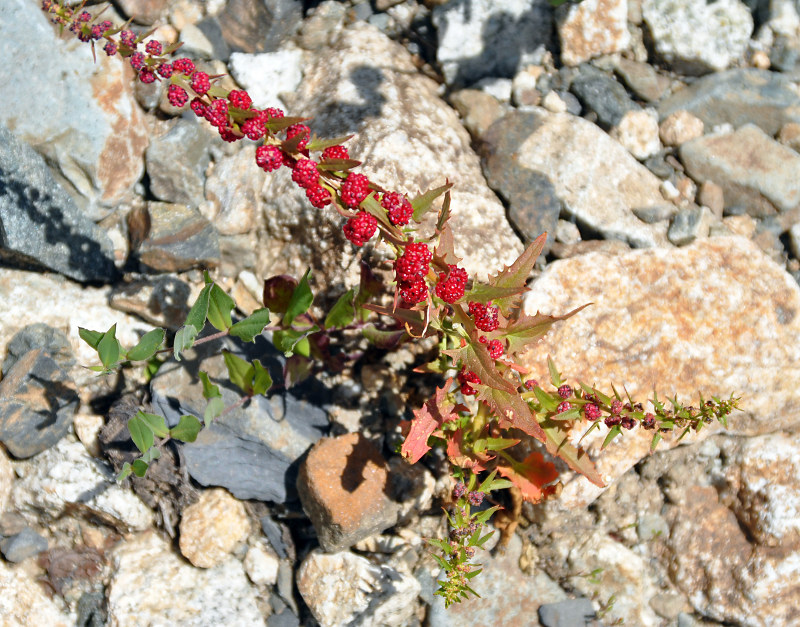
[[486, 405]]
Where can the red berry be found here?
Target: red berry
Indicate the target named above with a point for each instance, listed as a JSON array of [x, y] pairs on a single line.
[[475, 498], [217, 113], [485, 316], [269, 158], [465, 379], [414, 292], [565, 391], [254, 128], [106, 25], [628, 423], [199, 107], [165, 70], [398, 208], [128, 38], [649, 421], [147, 76], [414, 263], [184, 66], [273, 113], [452, 284], [97, 31], [612, 421], [360, 228], [616, 407], [200, 83], [318, 196], [137, 61], [240, 99], [591, 411], [563, 406], [110, 48], [496, 349], [153, 48], [177, 96], [531, 383], [305, 173], [335, 152], [354, 189], [299, 129]]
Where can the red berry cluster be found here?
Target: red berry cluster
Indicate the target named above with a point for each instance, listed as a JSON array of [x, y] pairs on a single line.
[[465, 379], [485, 316], [495, 347], [410, 269], [335, 152], [397, 207], [452, 284], [360, 228], [355, 189]]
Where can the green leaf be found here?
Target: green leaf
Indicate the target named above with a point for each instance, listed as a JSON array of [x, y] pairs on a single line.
[[147, 346], [555, 375], [501, 484], [278, 292], [214, 409], [220, 306], [442, 564], [498, 444], [140, 467], [124, 472], [92, 338], [483, 292], [151, 455], [547, 402], [612, 433], [261, 379], [240, 371], [251, 326], [151, 368], [569, 415], [484, 486], [300, 302], [654, 442], [141, 433], [184, 340], [210, 390], [108, 348], [484, 539], [383, 339], [338, 165], [558, 444], [322, 144], [156, 423], [290, 341], [187, 429], [342, 313], [605, 400], [516, 275], [199, 311], [422, 204], [484, 515]]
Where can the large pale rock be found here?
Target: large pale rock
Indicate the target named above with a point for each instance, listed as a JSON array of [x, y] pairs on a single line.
[[596, 179], [67, 474], [346, 589], [212, 528], [756, 173], [81, 115], [408, 139], [697, 36], [592, 28], [151, 585], [233, 192], [717, 317], [24, 601]]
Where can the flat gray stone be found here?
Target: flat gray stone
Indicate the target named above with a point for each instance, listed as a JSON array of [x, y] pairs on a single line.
[[601, 94], [40, 225], [179, 180], [22, 545], [568, 613], [40, 335], [180, 238]]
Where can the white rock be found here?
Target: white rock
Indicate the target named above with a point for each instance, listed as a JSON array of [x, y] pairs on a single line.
[[261, 566], [66, 473], [6, 480], [212, 528], [153, 586], [592, 28], [637, 131], [267, 75], [567, 232], [23, 601], [554, 103], [233, 191], [679, 127], [195, 42], [500, 88], [87, 428]]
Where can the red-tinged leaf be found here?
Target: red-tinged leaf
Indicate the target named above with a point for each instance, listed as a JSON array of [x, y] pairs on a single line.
[[483, 292], [369, 285], [413, 318], [384, 339], [444, 212], [528, 329], [278, 292], [445, 249], [278, 124], [465, 459], [422, 204], [416, 442], [516, 275], [531, 476], [322, 144], [475, 357], [511, 411], [338, 165], [558, 445]]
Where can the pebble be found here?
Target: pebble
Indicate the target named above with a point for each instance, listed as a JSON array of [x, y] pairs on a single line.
[[637, 131], [567, 613], [592, 28], [261, 566], [680, 127], [212, 528], [601, 94], [22, 545]]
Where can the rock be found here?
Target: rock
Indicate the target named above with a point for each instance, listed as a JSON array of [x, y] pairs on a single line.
[[163, 301], [66, 474], [233, 193], [567, 613], [258, 25], [68, 306], [754, 171], [478, 110], [261, 566], [661, 329], [24, 601], [145, 566], [592, 28], [554, 103], [409, 140], [484, 38], [711, 195], [597, 181], [651, 215], [179, 180], [345, 490], [637, 131], [523, 86], [37, 402], [567, 233], [698, 37], [53, 342], [346, 589], [322, 26], [789, 135], [252, 451], [41, 225], [180, 238], [95, 138], [6, 480], [143, 11], [510, 597], [22, 545], [87, 428], [794, 240], [738, 97], [641, 78], [195, 43], [680, 127], [689, 224], [212, 528], [601, 94], [267, 75]]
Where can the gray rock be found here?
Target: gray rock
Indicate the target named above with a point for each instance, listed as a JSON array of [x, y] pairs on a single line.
[[179, 180], [40, 225], [162, 301], [642, 79], [23, 545], [479, 38], [651, 215], [80, 115], [37, 403], [252, 450], [180, 238], [753, 170], [794, 240], [568, 613], [213, 33], [785, 56], [738, 97], [286, 618], [685, 226], [697, 37], [258, 25], [40, 335], [601, 94]]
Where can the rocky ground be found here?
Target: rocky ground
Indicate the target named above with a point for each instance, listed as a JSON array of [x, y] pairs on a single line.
[[657, 141]]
